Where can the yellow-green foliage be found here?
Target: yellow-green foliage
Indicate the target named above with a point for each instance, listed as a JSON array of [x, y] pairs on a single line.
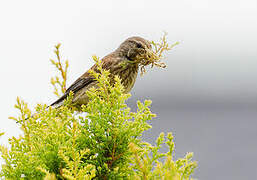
[[57, 81], [102, 143]]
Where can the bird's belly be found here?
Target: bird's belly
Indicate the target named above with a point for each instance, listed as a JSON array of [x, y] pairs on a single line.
[[130, 85], [129, 81]]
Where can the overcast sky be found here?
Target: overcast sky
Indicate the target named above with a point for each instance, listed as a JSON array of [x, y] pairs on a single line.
[[214, 64]]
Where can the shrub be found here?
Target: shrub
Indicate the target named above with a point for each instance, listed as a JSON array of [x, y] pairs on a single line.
[[104, 141]]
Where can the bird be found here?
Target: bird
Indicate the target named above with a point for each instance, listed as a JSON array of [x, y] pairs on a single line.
[[121, 62]]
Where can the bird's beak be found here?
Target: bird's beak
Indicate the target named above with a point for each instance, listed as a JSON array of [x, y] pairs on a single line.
[[149, 52]]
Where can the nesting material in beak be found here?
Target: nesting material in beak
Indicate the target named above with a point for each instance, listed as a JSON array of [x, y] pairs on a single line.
[[153, 56]]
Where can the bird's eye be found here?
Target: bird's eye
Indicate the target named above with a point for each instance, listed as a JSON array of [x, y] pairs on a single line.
[[139, 46]]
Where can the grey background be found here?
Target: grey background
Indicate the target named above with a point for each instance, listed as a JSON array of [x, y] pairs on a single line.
[[207, 96]]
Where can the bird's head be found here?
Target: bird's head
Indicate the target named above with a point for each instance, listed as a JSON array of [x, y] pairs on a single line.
[[132, 47]]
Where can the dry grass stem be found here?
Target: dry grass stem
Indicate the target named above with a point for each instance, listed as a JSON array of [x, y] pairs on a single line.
[[153, 57]]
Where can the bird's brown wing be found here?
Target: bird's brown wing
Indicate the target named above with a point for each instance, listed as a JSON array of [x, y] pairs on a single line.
[[75, 87], [86, 78]]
